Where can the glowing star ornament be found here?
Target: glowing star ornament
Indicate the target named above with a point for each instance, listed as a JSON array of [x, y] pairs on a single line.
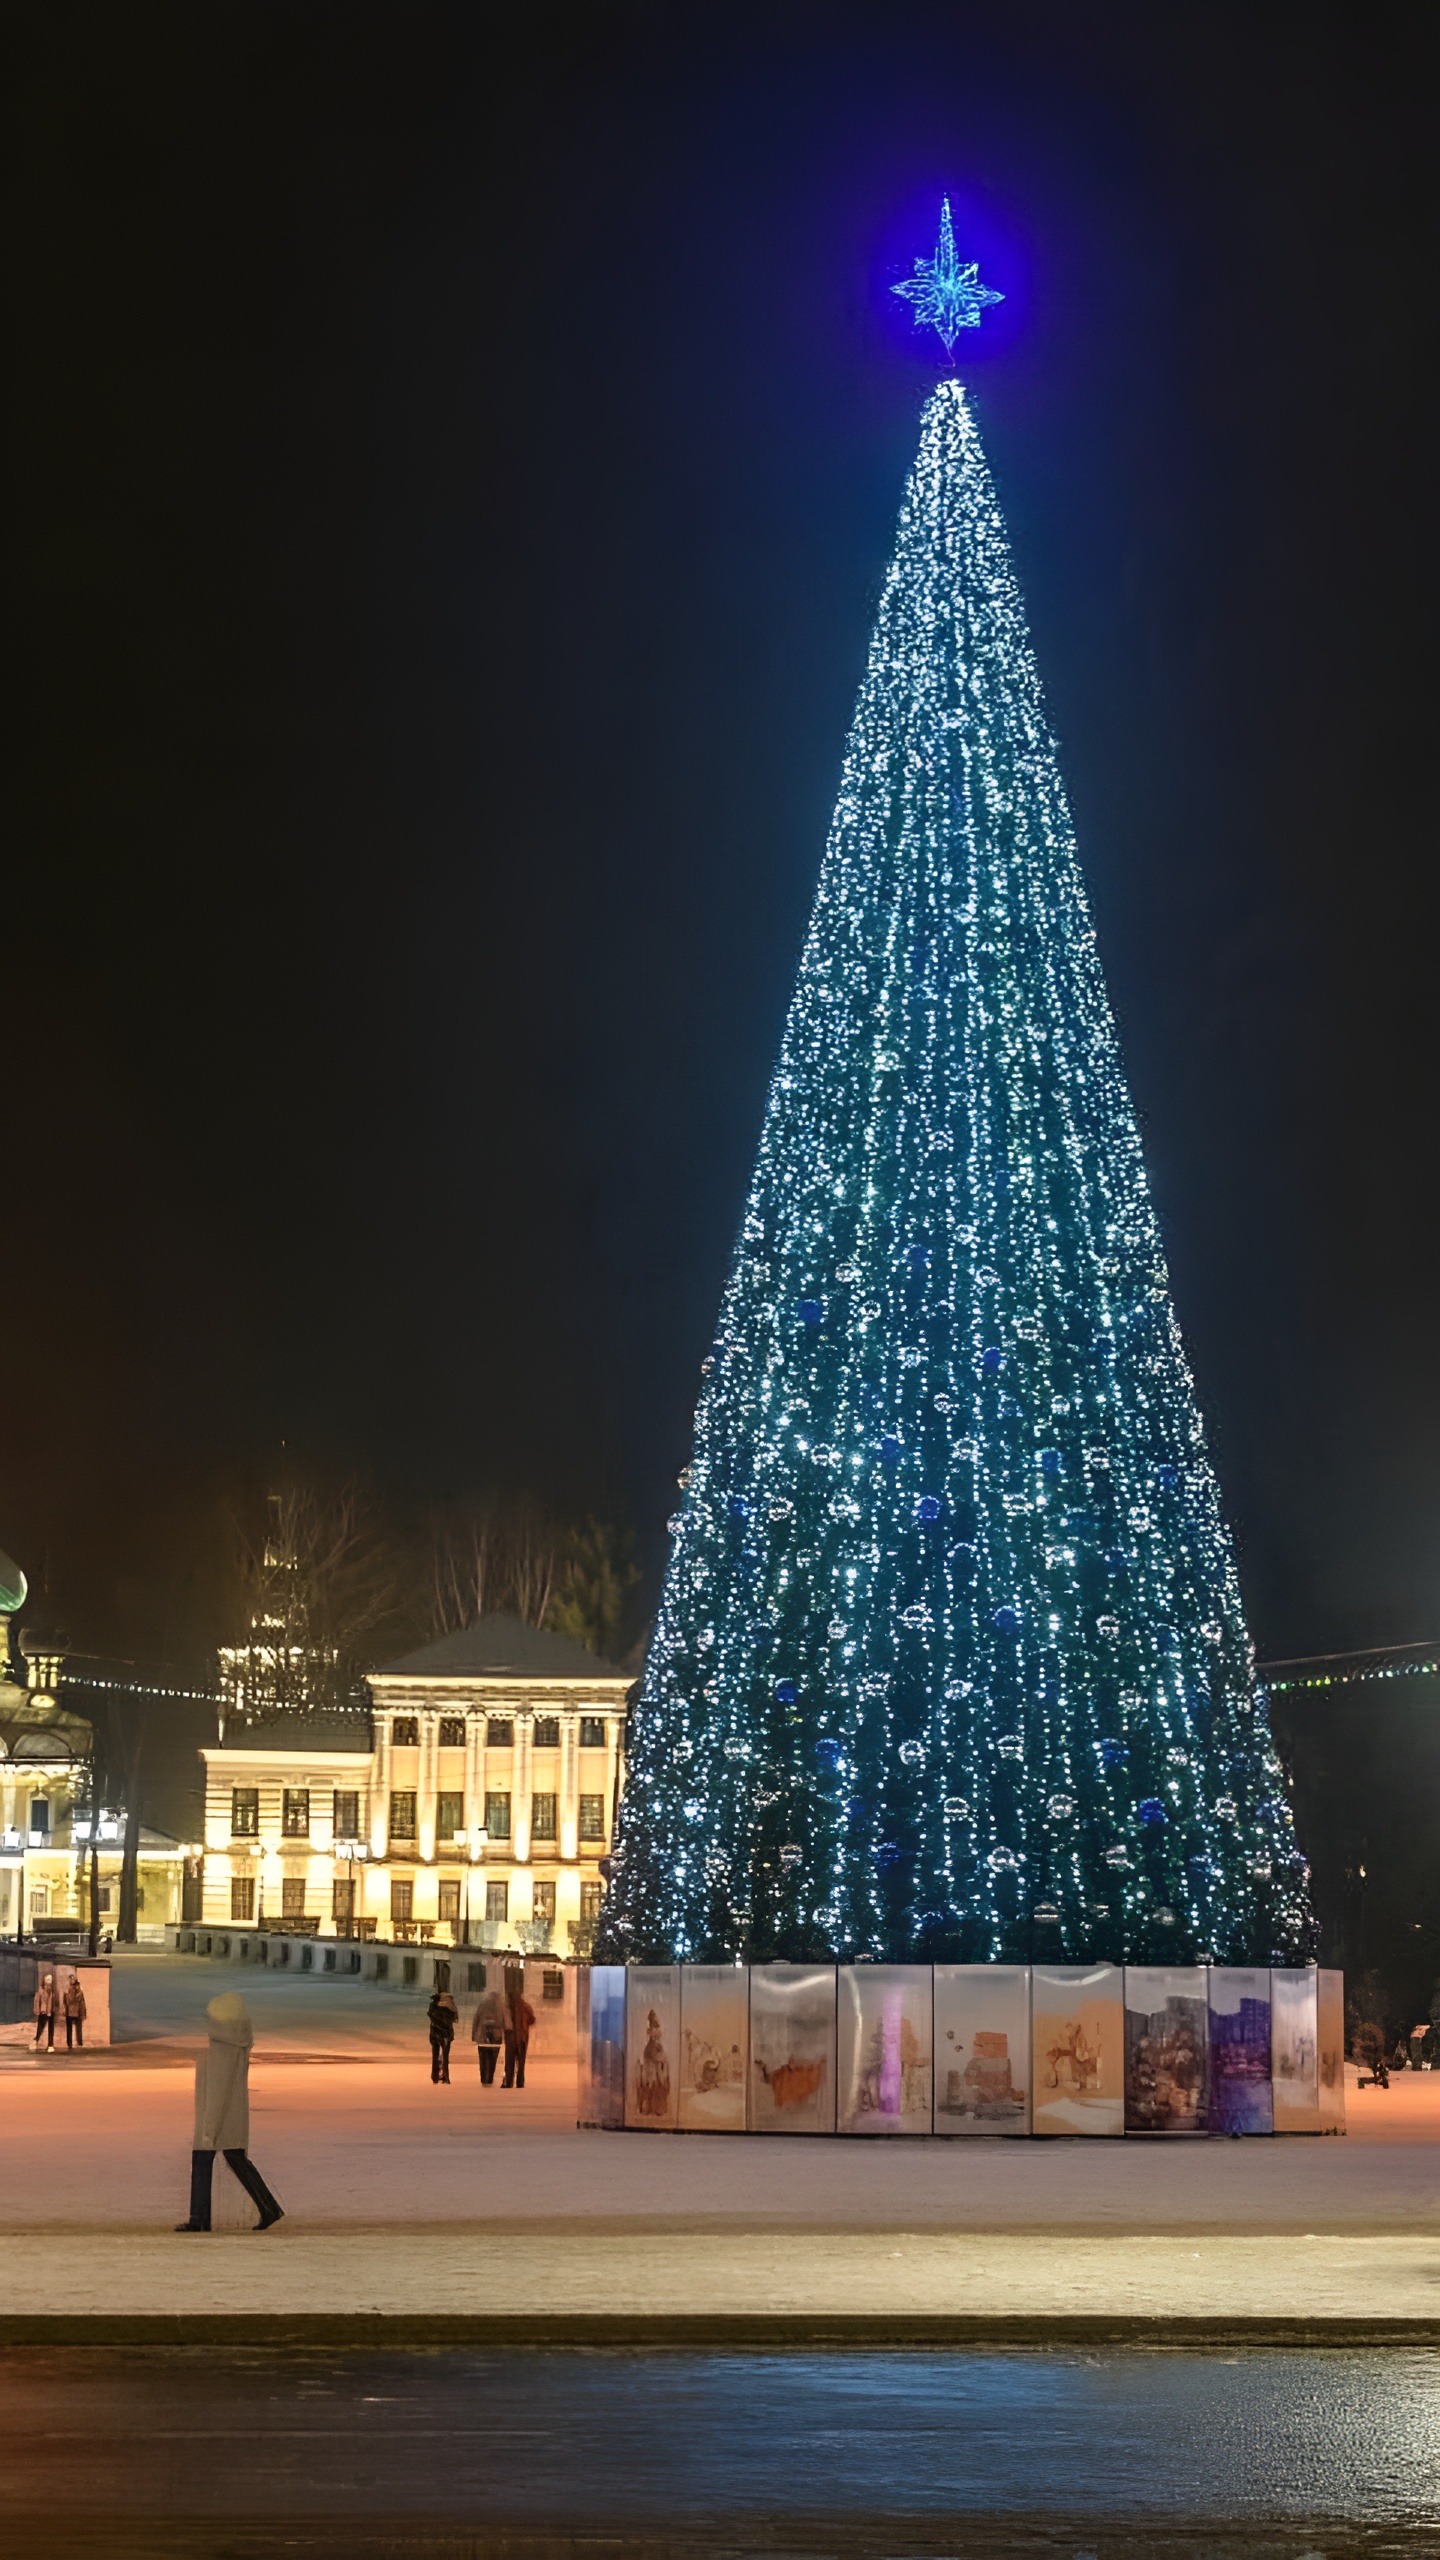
[[948, 297]]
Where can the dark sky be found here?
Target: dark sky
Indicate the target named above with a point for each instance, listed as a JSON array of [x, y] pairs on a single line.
[[459, 451]]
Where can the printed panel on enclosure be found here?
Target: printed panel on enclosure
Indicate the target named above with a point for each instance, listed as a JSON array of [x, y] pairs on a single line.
[[1240, 2100], [714, 2045], [1330, 2037], [982, 2048], [1167, 2049], [885, 2025], [652, 2047], [1295, 2048], [600, 2035], [1077, 2049], [792, 2048]]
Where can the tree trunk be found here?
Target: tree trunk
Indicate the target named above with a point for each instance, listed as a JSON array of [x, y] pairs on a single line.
[[127, 1923]]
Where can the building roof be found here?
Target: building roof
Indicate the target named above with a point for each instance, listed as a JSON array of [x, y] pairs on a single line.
[[500, 1647], [306, 1736]]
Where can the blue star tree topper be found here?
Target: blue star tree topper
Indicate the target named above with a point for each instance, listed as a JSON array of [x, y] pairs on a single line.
[[948, 297]]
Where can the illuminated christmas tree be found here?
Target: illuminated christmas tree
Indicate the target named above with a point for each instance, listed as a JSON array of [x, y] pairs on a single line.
[[950, 1660]]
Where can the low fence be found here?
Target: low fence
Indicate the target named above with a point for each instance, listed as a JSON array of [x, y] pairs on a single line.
[[549, 1986], [959, 2050]]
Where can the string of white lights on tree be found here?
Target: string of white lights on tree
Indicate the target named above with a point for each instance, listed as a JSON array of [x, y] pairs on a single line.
[[950, 1660]]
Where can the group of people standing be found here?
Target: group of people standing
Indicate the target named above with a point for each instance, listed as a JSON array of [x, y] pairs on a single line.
[[502, 2021], [68, 2004]]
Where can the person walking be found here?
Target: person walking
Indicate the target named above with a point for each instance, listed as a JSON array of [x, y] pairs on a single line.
[[47, 2006], [519, 2019], [444, 2018], [487, 2034], [222, 2115], [73, 2002]]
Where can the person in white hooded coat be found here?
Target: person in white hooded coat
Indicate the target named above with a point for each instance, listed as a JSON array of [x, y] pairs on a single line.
[[222, 2114]]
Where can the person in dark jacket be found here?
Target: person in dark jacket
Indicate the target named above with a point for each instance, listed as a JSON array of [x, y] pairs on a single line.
[[519, 2019], [444, 2017], [73, 2002], [47, 2009]]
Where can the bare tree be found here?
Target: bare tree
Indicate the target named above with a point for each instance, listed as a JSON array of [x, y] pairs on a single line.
[[517, 1556], [491, 1555], [313, 1595]]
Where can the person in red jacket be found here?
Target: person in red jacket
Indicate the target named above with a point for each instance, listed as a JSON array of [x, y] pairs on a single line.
[[519, 2019]]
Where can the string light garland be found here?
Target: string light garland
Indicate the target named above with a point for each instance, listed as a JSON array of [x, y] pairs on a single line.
[[950, 1661]]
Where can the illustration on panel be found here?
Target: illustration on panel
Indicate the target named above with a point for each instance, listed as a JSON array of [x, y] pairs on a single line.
[[652, 2045], [982, 2048], [1240, 2099], [1330, 2039], [792, 2048], [1167, 2049], [714, 2038], [884, 2027], [1077, 2049], [600, 2029], [1295, 2049]]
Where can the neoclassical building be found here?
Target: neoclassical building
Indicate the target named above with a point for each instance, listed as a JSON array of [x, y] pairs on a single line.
[[475, 1803]]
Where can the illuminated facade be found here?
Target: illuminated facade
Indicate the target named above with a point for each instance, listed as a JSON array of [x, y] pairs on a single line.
[[45, 1812], [474, 1804]]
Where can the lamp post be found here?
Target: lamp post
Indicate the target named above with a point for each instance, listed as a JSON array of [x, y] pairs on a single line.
[[477, 1842], [350, 1850]]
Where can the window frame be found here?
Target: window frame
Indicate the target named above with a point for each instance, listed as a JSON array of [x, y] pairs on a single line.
[[501, 1830], [547, 1828], [591, 1822], [398, 1827], [449, 1796], [452, 1733], [592, 1733], [404, 1733], [291, 1826], [249, 1796]]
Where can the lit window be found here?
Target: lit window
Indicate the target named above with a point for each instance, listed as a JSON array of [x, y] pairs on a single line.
[[295, 1813], [244, 1813], [542, 1817], [592, 1817]]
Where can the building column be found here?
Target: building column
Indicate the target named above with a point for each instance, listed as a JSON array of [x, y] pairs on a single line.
[[569, 1806], [520, 1792], [612, 1774], [380, 1794], [425, 1799]]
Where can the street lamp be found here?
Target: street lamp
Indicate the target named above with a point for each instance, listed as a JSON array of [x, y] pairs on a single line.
[[478, 1841], [351, 1850]]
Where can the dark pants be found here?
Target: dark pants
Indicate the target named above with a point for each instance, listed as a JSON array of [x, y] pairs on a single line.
[[42, 2023], [74, 2033], [514, 2062], [489, 2055], [241, 2166], [440, 2057]]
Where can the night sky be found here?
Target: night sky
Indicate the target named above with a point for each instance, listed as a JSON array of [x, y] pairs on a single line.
[[459, 451]]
